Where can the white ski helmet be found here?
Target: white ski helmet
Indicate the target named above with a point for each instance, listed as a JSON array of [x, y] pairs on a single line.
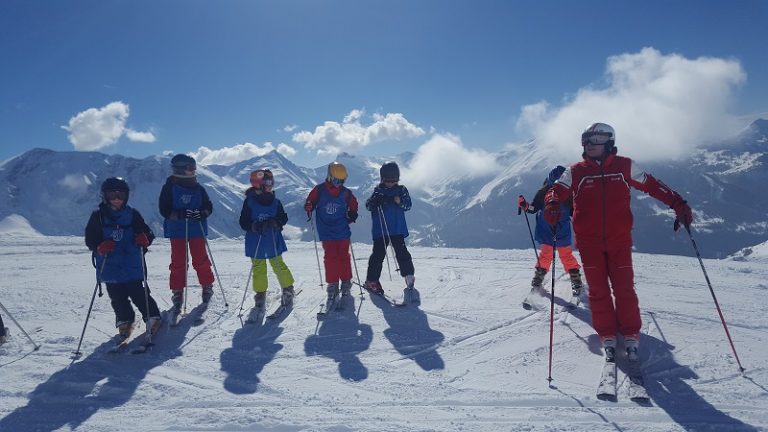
[[599, 133]]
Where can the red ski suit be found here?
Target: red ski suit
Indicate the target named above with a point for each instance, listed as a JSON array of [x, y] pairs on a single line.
[[602, 222]]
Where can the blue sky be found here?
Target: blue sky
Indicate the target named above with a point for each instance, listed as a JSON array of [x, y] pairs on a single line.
[[311, 78]]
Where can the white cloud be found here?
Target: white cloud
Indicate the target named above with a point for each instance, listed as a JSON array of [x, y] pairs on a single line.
[[662, 106], [238, 153], [332, 137], [290, 128], [444, 159], [96, 128], [139, 136]]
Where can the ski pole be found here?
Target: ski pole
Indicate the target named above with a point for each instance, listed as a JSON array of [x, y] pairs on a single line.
[[530, 232], [215, 270], [245, 289], [383, 225], [186, 263], [250, 272], [146, 294], [717, 305], [354, 261], [552, 302], [77, 352], [37, 347], [317, 255]]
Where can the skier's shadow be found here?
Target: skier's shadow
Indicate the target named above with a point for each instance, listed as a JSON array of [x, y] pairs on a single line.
[[410, 334], [665, 382], [100, 381], [253, 347], [341, 337]]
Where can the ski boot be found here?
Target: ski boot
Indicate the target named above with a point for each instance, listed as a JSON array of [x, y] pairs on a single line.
[[124, 329], [154, 323], [631, 344], [287, 297], [609, 346], [333, 291], [207, 293], [409, 280], [538, 278], [259, 305], [177, 298], [346, 287], [576, 284], [374, 287]]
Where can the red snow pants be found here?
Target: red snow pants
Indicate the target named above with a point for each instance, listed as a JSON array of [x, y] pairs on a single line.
[[612, 296], [200, 262], [336, 261]]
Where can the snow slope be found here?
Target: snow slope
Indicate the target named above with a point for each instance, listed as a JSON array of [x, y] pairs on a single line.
[[468, 359]]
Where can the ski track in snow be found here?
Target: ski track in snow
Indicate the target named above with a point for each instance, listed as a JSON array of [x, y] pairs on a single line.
[[469, 358]]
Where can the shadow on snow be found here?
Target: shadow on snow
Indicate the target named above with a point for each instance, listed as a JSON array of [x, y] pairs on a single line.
[[100, 381]]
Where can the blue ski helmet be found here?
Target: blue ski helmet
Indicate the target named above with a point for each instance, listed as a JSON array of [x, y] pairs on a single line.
[[555, 174]]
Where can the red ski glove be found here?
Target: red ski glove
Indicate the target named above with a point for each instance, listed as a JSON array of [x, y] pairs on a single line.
[[552, 212], [142, 240], [522, 204], [105, 247]]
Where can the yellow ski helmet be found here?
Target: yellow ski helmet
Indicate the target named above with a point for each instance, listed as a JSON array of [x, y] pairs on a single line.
[[337, 173]]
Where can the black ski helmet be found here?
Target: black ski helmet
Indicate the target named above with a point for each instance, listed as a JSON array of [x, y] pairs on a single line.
[[390, 171], [115, 184], [182, 163]]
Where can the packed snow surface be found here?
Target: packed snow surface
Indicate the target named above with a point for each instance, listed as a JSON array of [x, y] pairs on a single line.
[[468, 358]]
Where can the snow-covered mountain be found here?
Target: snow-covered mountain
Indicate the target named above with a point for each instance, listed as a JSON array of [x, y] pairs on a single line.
[[55, 192]]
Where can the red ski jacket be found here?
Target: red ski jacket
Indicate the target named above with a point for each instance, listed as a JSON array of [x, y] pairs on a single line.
[[602, 217]]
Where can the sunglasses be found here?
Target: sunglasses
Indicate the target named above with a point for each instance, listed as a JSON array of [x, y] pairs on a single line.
[[595, 138], [115, 194]]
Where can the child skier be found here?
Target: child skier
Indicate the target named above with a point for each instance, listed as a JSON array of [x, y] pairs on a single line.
[[185, 205], [118, 237], [263, 218], [544, 232], [336, 209], [388, 205]]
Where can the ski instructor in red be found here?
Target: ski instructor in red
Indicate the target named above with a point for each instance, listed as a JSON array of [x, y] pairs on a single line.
[[602, 221]]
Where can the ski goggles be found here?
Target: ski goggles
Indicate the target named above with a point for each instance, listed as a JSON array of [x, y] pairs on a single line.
[[336, 182], [595, 138], [115, 194], [389, 180]]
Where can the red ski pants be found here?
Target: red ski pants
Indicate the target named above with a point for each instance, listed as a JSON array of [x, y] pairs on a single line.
[[566, 258], [200, 262], [336, 261], [611, 280]]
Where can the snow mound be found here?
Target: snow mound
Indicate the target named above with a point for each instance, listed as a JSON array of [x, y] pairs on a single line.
[[17, 226]]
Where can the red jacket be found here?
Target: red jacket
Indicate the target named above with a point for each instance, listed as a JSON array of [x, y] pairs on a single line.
[[602, 216]]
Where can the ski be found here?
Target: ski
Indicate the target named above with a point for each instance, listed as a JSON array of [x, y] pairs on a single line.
[[573, 303], [175, 317], [330, 304], [147, 342], [120, 346], [258, 318], [606, 389], [637, 391], [389, 299], [200, 316], [279, 311], [528, 300]]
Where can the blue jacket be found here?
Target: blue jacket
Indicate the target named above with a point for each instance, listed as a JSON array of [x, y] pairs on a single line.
[[258, 208], [124, 264], [331, 214], [178, 195], [543, 233], [394, 214]]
